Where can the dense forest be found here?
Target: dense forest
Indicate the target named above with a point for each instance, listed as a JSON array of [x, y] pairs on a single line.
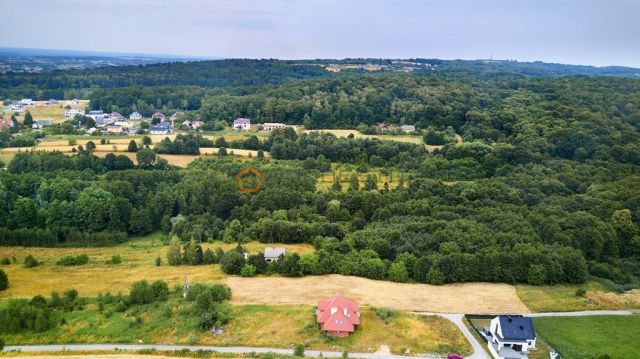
[[545, 187]]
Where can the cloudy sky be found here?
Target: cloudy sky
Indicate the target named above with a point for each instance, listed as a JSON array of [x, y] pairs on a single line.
[[592, 32]]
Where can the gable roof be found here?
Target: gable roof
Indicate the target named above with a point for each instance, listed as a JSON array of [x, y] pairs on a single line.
[[517, 328], [241, 121], [271, 252]]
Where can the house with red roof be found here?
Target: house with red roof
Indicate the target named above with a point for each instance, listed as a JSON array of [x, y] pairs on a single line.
[[338, 316]]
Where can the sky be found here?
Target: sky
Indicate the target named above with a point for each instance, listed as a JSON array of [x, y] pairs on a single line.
[[587, 32]]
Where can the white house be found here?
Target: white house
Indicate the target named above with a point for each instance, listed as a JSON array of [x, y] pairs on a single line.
[[242, 124], [26, 102], [161, 128], [96, 115], [272, 254], [408, 128], [270, 126], [116, 116], [72, 113], [511, 337], [135, 116]]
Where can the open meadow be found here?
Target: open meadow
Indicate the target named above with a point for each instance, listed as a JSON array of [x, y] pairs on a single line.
[[591, 336], [562, 297]]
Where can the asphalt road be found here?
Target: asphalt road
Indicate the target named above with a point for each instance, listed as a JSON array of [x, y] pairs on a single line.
[[161, 347]]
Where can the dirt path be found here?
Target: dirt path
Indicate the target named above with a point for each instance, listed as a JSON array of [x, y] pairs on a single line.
[[452, 298]]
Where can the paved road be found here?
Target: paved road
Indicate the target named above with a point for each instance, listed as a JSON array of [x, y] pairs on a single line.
[[161, 347]]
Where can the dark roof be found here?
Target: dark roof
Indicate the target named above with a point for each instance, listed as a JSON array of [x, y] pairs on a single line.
[[517, 328]]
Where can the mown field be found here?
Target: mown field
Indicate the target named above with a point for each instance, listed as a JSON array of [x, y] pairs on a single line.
[[51, 112], [562, 297], [593, 336]]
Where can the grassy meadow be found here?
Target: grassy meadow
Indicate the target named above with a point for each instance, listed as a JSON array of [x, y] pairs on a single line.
[[562, 297], [592, 336], [138, 262], [252, 325]]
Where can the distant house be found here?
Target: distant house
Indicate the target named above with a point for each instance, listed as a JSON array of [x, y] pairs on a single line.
[[175, 116], [161, 128], [510, 336], [242, 124], [159, 115], [115, 129], [270, 126], [52, 102], [40, 124], [26, 102], [17, 107], [72, 113], [408, 128], [196, 124], [6, 122], [135, 116], [96, 115], [75, 101], [272, 254], [121, 123], [338, 316], [115, 116], [91, 131], [382, 127]]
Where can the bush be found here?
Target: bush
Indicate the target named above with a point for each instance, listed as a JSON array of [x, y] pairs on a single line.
[[4, 280], [581, 292], [30, 262], [78, 260], [298, 350], [158, 261], [143, 293], [248, 270], [115, 259], [385, 314], [5, 261]]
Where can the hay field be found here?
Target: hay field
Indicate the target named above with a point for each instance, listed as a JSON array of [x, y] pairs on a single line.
[[357, 134], [451, 298], [55, 113], [138, 258]]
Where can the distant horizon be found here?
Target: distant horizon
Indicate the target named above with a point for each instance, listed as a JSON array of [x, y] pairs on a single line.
[[215, 58], [586, 32]]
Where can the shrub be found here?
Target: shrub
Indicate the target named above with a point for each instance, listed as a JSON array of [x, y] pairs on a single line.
[[5, 261], [78, 260], [385, 314], [30, 262], [158, 261], [115, 259], [143, 293], [298, 350], [248, 270], [4, 280], [581, 292]]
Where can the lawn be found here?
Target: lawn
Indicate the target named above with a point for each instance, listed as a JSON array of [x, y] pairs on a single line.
[[590, 337], [562, 298], [138, 262], [252, 325]]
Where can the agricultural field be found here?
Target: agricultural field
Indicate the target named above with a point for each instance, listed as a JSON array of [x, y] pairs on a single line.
[[562, 297], [450, 298], [138, 262], [55, 113], [591, 336]]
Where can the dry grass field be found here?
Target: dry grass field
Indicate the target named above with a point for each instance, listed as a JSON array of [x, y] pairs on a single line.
[[357, 134], [138, 258], [561, 297], [55, 113], [451, 298]]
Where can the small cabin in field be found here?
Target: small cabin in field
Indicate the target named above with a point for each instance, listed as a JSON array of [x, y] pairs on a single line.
[[272, 254]]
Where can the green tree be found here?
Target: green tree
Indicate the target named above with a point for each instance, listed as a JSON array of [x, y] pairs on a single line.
[[233, 232], [174, 257], [133, 146], [398, 272], [28, 119], [146, 141], [248, 270], [537, 274], [336, 185], [371, 182], [298, 350], [91, 146], [354, 183], [435, 276], [4, 280], [30, 261], [146, 158]]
